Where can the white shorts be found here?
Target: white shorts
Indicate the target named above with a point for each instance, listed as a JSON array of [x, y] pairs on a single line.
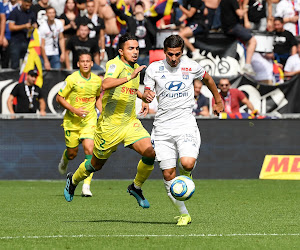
[[168, 145]]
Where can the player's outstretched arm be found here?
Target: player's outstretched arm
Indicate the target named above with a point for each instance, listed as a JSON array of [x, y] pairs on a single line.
[[109, 83], [210, 83]]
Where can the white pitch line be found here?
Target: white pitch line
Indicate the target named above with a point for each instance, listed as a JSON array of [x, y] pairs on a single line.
[[144, 235]]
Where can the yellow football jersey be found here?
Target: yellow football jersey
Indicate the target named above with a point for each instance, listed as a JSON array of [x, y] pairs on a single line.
[[118, 104], [80, 92]]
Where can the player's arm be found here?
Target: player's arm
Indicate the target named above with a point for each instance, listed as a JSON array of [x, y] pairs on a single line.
[[210, 83], [109, 83], [81, 112], [99, 103], [148, 95]]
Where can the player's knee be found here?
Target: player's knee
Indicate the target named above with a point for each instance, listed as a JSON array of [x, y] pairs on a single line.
[[72, 155], [149, 153], [188, 164], [169, 174]]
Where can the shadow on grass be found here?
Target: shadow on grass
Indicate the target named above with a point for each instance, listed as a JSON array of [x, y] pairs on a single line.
[[126, 221]]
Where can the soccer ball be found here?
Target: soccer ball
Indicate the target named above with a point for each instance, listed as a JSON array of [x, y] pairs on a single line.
[[182, 188]]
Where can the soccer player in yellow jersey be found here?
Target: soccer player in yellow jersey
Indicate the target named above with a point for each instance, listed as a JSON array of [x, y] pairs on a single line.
[[118, 123], [80, 94]]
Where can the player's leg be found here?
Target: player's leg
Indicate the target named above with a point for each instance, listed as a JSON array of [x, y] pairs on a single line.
[[100, 155], [88, 145], [83, 171], [139, 140], [188, 145], [169, 173], [72, 142]]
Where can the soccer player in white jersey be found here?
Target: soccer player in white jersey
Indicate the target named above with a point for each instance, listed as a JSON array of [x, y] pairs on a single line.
[[175, 132]]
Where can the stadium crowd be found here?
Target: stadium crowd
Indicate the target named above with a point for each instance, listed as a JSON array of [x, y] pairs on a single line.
[[68, 26]]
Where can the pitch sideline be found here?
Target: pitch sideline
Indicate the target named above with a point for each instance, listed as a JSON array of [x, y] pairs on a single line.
[[145, 235]]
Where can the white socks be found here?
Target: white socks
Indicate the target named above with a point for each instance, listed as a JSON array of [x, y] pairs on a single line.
[[178, 204]]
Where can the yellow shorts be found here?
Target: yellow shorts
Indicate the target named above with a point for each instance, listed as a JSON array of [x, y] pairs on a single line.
[[108, 136], [74, 137]]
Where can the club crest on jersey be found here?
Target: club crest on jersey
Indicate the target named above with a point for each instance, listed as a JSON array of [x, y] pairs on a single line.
[[185, 75], [175, 86], [161, 68]]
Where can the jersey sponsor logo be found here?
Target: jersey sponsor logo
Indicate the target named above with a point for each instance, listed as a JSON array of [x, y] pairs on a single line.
[[86, 100], [175, 86], [186, 69], [174, 95], [130, 91], [111, 68]]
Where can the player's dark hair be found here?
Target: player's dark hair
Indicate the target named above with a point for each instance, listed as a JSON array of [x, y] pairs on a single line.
[[173, 41], [84, 52], [280, 19], [126, 37]]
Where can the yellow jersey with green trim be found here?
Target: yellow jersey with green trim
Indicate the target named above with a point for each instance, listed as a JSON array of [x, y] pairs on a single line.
[[118, 104], [80, 92]]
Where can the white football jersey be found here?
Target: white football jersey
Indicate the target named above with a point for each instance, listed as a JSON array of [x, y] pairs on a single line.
[[174, 90]]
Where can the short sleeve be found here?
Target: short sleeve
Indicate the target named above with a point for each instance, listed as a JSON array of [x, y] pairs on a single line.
[[113, 69], [66, 88], [200, 72], [149, 82]]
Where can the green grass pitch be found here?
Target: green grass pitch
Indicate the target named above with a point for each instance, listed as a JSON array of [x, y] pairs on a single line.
[[226, 214]]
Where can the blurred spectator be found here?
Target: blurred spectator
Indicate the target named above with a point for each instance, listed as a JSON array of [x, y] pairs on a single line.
[[262, 64], [82, 42], [111, 29], [231, 15], [194, 13], [255, 17], [68, 19], [96, 26], [7, 9], [141, 27], [29, 96], [40, 11], [58, 5], [81, 5], [201, 102], [289, 11], [22, 21], [285, 44], [292, 66], [232, 97], [52, 39], [214, 14]]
